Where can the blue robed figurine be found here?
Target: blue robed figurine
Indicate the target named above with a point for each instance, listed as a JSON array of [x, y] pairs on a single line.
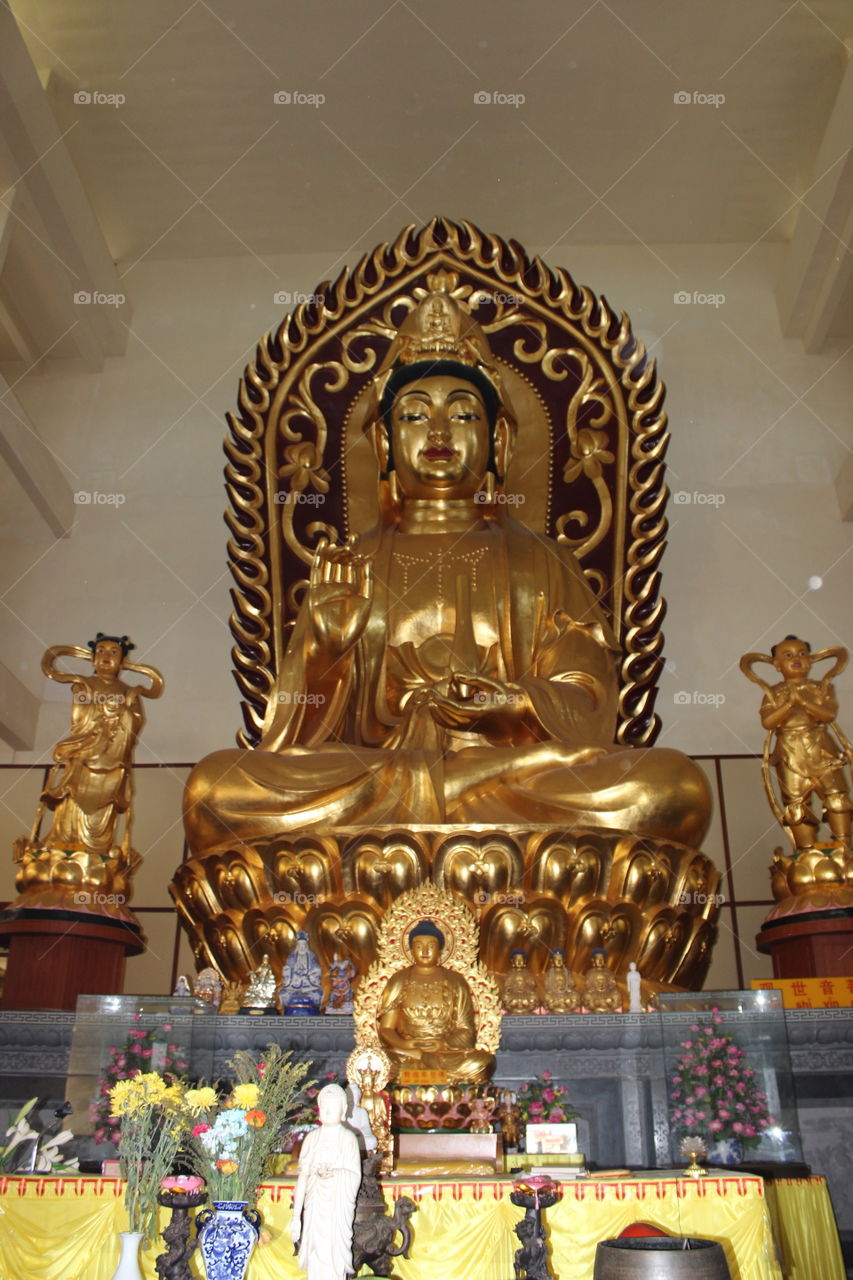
[[301, 990]]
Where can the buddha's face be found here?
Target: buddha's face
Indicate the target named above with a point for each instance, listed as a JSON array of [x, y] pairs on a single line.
[[558, 961], [792, 659], [107, 658], [440, 438], [425, 951], [331, 1107]]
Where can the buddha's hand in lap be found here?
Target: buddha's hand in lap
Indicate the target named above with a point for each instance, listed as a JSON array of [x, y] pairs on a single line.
[[480, 703], [340, 595]]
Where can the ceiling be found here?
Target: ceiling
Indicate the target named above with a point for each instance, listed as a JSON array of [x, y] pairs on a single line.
[[200, 160]]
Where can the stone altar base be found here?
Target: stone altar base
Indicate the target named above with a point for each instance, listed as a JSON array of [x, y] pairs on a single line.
[[421, 1154], [55, 956]]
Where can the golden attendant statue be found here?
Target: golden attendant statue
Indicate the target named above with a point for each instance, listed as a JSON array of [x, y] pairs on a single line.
[[809, 754], [90, 788]]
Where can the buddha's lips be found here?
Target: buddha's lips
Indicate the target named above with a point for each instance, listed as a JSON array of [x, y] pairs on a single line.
[[443, 451]]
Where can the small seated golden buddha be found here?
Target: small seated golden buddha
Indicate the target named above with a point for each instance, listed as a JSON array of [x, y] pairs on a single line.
[[427, 1004], [520, 994], [426, 1015], [561, 994], [601, 994]]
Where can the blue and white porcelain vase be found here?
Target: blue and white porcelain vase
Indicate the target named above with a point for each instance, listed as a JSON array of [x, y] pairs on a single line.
[[725, 1151], [227, 1235]]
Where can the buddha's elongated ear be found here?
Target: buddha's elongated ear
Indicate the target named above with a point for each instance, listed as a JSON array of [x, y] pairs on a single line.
[[502, 447], [381, 442]]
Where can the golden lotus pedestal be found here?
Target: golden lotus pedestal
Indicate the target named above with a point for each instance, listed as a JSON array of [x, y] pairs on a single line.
[[809, 932], [536, 888], [442, 1108], [444, 1130]]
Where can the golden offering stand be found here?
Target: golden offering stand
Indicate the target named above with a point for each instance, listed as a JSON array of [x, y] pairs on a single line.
[[583, 497]]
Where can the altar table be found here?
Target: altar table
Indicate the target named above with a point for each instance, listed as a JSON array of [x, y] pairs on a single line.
[[65, 1228]]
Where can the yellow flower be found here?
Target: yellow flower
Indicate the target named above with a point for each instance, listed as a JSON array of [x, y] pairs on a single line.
[[227, 1166], [126, 1097], [153, 1086], [200, 1099], [137, 1093], [244, 1096]]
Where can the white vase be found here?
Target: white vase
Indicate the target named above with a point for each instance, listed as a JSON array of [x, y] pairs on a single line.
[[128, 1264]]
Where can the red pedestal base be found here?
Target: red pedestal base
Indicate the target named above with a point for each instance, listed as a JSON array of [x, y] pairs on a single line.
[[816, 944], [55, 956]]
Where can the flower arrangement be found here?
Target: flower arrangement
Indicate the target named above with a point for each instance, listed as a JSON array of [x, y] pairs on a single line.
[[26, 1149], [152, 1127], [233, 1139], [144, 1051], [713, 1092], [543, 1101]]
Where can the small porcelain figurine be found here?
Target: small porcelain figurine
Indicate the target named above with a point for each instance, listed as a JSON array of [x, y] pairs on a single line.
[[260, 993], [301, 990], [326, 1188], [341, 974], [358, 1120], [635, 989], [182, 986], [520, 995], [208, 987]]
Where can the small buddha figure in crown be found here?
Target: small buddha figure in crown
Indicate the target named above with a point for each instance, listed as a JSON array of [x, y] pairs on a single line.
[[426, 1015]]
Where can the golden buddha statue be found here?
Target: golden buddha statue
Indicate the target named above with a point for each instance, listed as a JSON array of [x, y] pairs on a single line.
[[433, 688], [519, 993], [434, 1021], [426, 1015], [561, 994], [601, 992], [451, 665]]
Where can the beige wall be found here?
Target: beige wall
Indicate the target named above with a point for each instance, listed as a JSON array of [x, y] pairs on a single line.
[[158, 836]]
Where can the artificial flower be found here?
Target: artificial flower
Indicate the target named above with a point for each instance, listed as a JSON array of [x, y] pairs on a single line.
[[200, 1099], [245, 1095]]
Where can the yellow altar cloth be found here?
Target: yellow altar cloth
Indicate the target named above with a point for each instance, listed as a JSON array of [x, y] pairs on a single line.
[[65, 1228]]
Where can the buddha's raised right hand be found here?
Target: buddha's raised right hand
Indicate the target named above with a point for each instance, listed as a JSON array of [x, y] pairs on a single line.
[[340, 595]]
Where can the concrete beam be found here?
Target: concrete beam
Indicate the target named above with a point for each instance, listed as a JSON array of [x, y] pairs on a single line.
[[19, 710], [844, 488], [54, 236], [816, 277], [34, 466]]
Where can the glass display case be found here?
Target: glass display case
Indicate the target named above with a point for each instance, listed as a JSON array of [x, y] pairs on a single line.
[[728, 1075], [113, 1035]]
